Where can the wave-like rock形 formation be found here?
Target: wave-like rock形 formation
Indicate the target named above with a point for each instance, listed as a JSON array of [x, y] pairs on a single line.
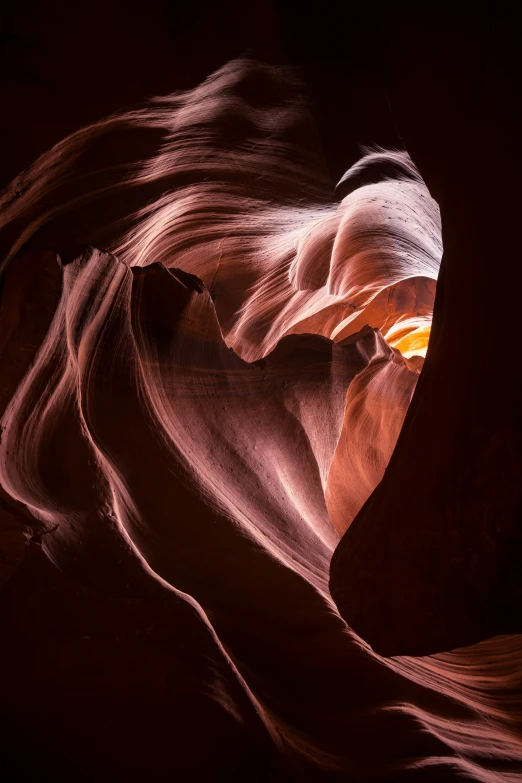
[[203, 409]]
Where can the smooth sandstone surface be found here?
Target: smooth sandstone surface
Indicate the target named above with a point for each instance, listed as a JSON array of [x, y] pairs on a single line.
[[218, 357]]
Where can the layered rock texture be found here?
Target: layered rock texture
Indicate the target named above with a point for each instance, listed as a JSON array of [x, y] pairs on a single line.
[[208, 360]]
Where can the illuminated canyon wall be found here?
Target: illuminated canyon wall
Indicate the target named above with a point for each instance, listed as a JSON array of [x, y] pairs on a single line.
[[209, 359]]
